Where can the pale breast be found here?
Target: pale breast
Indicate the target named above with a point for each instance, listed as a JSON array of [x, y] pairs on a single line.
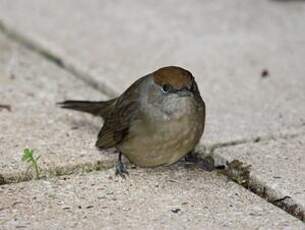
[[162, 142]]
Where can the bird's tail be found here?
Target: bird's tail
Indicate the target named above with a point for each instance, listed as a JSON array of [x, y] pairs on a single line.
[[97, 108]]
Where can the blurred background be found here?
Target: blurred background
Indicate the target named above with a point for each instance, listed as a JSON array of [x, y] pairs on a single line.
[[248, 56]]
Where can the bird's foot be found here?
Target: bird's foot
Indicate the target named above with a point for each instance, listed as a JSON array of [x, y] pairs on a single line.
[[121, 170], [207, 163], [192, 157]]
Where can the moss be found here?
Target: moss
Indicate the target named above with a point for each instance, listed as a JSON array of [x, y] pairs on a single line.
[[291, 209], [238, 172]]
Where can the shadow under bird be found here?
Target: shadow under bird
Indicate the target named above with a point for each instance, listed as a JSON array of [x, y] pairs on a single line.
[[158, 120]]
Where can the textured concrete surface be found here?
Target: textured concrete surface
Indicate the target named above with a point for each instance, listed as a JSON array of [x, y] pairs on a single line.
[[32, 86], [167, 198], [279, 164], [227, 45], [247, 57]]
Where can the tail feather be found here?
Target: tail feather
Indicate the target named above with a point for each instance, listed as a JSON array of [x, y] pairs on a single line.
[[97, 108]]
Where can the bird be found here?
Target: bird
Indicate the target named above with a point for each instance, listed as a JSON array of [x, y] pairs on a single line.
[[155, 122]]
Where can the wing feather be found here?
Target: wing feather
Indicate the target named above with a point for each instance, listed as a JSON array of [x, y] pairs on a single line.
[[117, 123]]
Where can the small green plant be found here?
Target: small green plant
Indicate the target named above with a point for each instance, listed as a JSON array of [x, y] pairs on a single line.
[[28, 156]]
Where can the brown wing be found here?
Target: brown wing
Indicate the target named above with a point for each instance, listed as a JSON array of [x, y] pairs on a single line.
[[117, 123]]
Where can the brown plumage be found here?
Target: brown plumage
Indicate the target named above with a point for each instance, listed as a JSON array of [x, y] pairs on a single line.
[[156, 121], [175, 76]]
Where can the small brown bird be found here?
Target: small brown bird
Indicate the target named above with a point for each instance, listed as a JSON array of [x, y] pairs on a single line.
[[159, 119]]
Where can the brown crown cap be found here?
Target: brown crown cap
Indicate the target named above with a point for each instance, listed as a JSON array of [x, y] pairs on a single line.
[[175, 76]]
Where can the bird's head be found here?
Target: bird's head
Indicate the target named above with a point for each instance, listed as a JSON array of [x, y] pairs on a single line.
[[175, 80]]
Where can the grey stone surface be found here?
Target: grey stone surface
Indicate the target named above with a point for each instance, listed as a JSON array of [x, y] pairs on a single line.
[[32, 86], [278, 164], [227, 45], [167, 198]]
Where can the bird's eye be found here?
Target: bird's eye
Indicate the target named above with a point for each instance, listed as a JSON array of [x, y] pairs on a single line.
[[165, 88]]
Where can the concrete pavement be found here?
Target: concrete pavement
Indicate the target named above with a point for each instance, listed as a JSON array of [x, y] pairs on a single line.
[[246, 56], [279, 166], [226, 45], [166, 198], [64, 140]]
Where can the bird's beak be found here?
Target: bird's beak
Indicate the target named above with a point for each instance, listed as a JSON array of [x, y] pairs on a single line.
[[184, 93]]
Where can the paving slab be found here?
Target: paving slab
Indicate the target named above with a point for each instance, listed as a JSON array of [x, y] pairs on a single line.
[[246, 55], [167, 198], [31, 86], [277, 164]]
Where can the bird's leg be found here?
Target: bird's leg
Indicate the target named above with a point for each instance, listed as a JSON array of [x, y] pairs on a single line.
[[207, 163], [191, 157], [120, 168]]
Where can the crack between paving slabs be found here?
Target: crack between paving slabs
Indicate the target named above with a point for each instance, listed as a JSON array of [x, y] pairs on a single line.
[[203, 151], [240, 173], [250, 182], [68, 65], [23, 176]]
